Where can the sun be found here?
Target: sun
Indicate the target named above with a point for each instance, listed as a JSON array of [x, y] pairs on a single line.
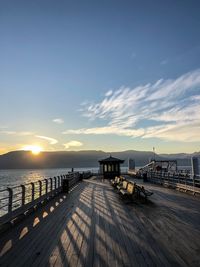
[[33, 148]]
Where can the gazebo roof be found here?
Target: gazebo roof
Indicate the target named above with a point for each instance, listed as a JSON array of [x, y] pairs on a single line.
[[111, 160]]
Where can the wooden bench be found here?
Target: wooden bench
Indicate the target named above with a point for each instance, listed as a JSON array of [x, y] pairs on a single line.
[[116, 181], [130, 190], [122, 185]]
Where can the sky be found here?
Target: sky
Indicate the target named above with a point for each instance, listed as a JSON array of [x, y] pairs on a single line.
[[104, 75]]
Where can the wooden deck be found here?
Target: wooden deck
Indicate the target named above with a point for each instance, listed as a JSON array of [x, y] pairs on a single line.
[[93, 227]]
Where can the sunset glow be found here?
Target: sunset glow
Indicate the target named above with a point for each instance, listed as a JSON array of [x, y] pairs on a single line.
[[33, 148]]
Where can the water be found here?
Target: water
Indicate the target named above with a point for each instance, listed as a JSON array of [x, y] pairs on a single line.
[[10, 178]]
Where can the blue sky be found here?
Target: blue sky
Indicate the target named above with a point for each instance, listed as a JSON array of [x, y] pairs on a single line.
[[106, 75]]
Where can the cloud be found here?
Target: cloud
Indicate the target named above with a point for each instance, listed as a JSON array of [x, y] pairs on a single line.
[[16, 133], [109, 93], [181, 132], [72, 144], [106, 130], [25, 133], [8, 132], [156, 110], [58, 120], [52, 141]]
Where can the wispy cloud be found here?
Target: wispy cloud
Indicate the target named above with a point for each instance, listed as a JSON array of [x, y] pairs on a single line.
[[167, 109], [107, 130], [51, 141], [58, 120], [72, 144], [25, 133], [109, 93], [16, 133]]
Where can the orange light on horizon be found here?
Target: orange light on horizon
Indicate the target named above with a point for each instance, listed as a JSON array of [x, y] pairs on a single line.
[[35, 149]]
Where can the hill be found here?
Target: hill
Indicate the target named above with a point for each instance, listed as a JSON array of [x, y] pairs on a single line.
[[87, 158]]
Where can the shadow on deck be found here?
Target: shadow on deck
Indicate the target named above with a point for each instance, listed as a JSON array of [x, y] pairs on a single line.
[[93, 227]]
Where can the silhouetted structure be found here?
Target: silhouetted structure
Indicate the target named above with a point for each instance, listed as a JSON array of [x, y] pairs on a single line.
[[131, 164], [110, 167], [195, 166], [161, 165]]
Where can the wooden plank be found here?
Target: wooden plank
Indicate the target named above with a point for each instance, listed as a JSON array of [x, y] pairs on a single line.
[[39, 239], [91, 243], [87, 217], [93, 227]]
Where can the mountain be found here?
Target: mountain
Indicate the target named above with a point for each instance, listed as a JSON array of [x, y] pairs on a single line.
[[183, 159], [75, 159]]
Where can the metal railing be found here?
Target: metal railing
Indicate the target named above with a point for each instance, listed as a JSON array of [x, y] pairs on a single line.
[[175, 180], [19, 199]]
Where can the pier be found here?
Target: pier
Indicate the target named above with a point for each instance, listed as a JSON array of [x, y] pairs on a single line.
[[91, 226]]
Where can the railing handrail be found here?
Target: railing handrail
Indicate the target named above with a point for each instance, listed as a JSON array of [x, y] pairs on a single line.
[[29, 194], [175, 180]]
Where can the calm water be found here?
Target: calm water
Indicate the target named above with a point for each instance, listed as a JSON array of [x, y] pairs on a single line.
[[17, 177]]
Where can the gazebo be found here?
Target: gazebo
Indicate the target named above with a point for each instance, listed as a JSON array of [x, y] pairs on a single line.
[[110, 167]]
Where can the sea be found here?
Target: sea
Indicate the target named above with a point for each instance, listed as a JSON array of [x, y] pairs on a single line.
[[14, 177]]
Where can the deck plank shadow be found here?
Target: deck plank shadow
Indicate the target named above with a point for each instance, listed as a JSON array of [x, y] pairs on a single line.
[[92, 226]]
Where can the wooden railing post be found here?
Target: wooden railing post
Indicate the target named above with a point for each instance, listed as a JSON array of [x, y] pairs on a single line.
[[46, 186], [23, 194], [40, 188], [10, 199], [32, 191]]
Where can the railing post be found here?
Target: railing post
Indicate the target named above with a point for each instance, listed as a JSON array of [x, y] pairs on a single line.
[[185, 184], [10, 199], [40, 188], [33, 191], [51, 185], [60, 178], [23, 194], [194, 181], [55, 179], [65, 185], [46, 186]]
